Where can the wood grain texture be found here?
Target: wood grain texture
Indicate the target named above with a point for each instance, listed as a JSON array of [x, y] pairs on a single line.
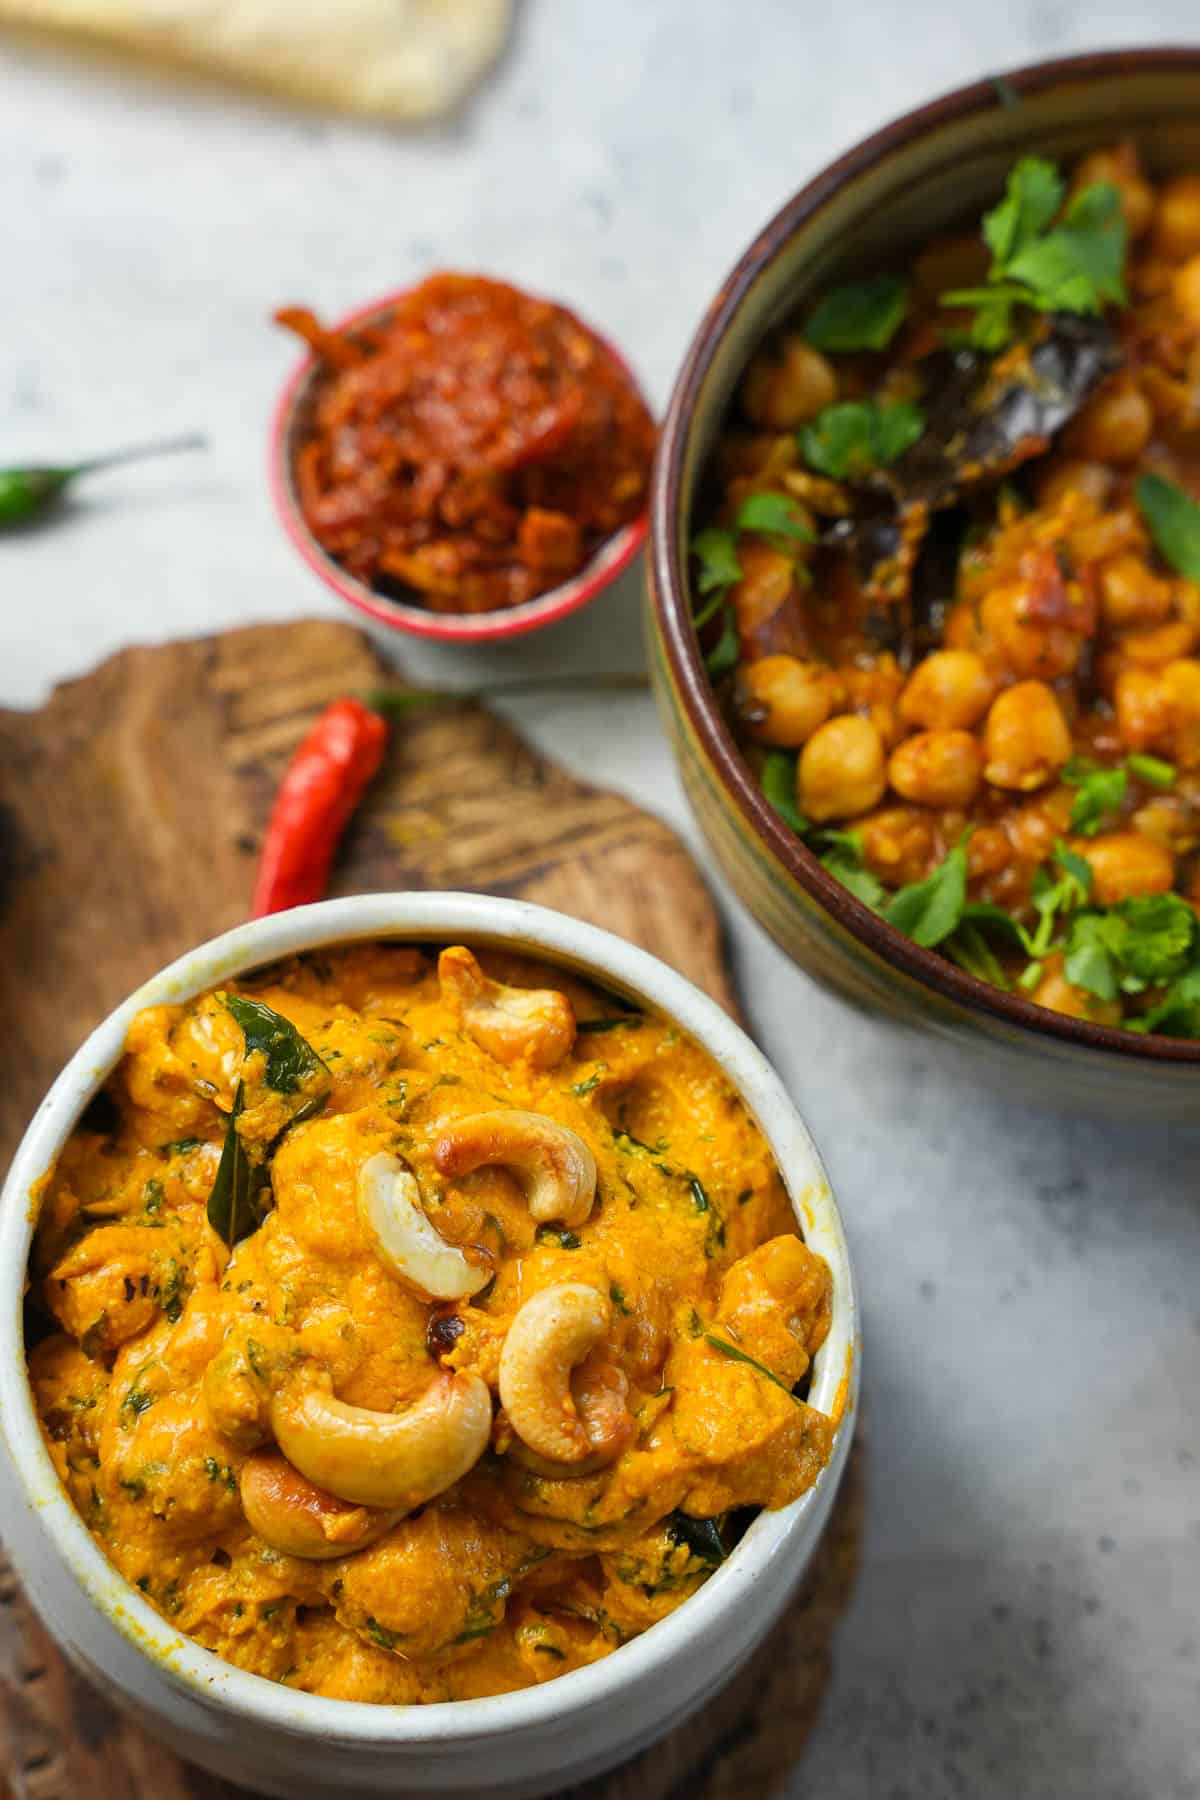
[[131, 808]]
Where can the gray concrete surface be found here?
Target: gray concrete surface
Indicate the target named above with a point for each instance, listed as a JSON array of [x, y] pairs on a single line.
[[1025, 1625]]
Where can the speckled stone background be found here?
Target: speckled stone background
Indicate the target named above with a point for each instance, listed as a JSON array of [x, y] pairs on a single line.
[[1027, 1621]]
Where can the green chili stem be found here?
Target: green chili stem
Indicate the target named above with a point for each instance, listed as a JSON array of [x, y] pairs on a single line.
[[192, 440]]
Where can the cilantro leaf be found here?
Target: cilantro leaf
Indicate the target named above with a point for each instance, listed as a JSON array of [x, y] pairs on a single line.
[[1089, 961], [716, 551], [1159, 931], [726, 651], [1145, 941], [773, 513], [779, 788], [1178, 1013], [1173, 519], [844, 861], [1051, 897], [969, 948], [1074, 266], [853, 437], [928, 911], [1032, 196], [1152, 770], [985, 915], [863, 315], [1100, 794], [1077, 267]]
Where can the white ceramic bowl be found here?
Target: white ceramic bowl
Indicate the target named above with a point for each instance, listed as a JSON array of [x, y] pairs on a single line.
[[529, 1743]]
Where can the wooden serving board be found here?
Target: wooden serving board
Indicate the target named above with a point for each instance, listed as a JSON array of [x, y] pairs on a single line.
[[131, 808]]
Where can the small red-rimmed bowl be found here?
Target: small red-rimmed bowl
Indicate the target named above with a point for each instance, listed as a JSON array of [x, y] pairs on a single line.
[[919, 176], [288, 427]]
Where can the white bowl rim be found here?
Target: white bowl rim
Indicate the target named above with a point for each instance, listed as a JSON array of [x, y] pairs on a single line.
[[429, 917]]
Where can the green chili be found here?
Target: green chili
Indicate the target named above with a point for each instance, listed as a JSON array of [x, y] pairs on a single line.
[[27, 492]]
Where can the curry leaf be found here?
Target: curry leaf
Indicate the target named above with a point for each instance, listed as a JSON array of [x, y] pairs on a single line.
[[701, 1536], [735, 1355], [928, 911], [291, 1061], [863, 315], [1173, 518], [240, 1197]]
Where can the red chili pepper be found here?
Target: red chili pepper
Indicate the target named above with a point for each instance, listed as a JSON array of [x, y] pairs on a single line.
[[321, 787]]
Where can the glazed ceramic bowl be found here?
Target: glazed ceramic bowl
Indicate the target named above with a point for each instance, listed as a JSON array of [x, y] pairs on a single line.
[[290, 424], [928, 172], [280, 1742]]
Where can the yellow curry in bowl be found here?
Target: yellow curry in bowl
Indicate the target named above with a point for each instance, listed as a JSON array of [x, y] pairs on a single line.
[[416, 1329]]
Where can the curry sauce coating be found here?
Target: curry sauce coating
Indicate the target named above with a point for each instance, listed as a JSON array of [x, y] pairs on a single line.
[[150, 1390]]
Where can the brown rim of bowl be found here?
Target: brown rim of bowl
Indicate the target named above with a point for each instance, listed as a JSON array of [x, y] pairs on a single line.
[[669, 576]]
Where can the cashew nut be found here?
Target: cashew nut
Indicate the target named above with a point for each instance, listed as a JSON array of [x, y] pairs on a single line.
[[391, 1214], [509, 1023], [551, 1334], [396, 1460], [291, 1514], [552, 1162]]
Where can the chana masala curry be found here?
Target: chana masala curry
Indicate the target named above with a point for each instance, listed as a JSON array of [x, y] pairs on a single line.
[[947, 582], [472, 450], [421, 1329]]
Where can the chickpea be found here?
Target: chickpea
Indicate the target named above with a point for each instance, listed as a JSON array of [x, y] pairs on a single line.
[[898, 844], [950, 691], [1119, 168], [1158, 643], [768, 577], [1115, 427], [1033, 827], [1061, 996], [842, 770], [784, 699], [1177, 218], [1187, 602], [988, 851], [937, 768], [783, 391], [1027, 739], [1185, 290], [1106, 536], [1017, 644], [1143, 709], [1131, 593], [1181, 685], [1071, 475], [1124, 863]]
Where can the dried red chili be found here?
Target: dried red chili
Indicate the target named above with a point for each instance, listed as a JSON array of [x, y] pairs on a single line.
[[321, 787], [472, 451]]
